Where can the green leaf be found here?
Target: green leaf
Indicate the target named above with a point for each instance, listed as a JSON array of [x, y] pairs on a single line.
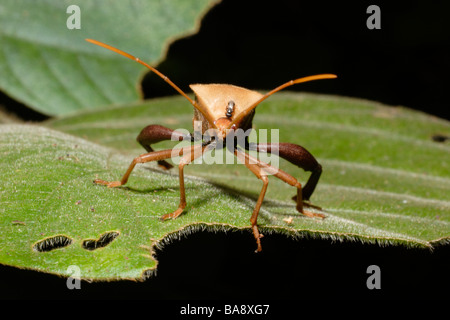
[[385, 181], [51, 212], [51, 69], [379, 162]]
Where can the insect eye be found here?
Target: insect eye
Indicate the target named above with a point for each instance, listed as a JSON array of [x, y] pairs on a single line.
[[230, 109]]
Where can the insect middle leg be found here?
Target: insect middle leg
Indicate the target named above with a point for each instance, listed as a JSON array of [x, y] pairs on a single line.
[[155, 133], [284, 176], [260, 174], [143, 158]]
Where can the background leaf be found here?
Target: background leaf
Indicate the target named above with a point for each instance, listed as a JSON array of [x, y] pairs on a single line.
[[53, 70], [385, 181]]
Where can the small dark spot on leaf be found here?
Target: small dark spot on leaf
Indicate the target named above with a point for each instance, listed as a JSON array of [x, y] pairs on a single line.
[[69, 157], [105, 239], [440, 138], [52, 243]]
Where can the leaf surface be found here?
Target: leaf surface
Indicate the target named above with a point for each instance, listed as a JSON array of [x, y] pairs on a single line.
[[385, 181]]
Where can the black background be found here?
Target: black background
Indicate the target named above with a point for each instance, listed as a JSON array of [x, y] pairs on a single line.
[[259, 45], [224, 267]]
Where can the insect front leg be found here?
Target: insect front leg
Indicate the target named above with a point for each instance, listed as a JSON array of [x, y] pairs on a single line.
[[195, 152], [260, 174]]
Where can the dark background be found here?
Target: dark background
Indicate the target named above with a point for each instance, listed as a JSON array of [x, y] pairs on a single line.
[[262, 44], [259, 45], [223, 267]]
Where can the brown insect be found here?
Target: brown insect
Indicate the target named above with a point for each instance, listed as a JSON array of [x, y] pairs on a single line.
[[225, 108]]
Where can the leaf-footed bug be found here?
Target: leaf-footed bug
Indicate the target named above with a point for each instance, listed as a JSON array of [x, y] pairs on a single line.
[[225, 108]]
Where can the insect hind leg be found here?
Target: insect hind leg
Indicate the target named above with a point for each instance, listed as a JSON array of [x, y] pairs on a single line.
[[298, 156]]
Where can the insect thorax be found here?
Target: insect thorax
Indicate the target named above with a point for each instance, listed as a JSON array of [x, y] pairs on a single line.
[[198, 116]]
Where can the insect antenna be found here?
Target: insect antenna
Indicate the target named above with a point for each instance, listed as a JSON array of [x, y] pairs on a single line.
[[162, 76], [287, 84]]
